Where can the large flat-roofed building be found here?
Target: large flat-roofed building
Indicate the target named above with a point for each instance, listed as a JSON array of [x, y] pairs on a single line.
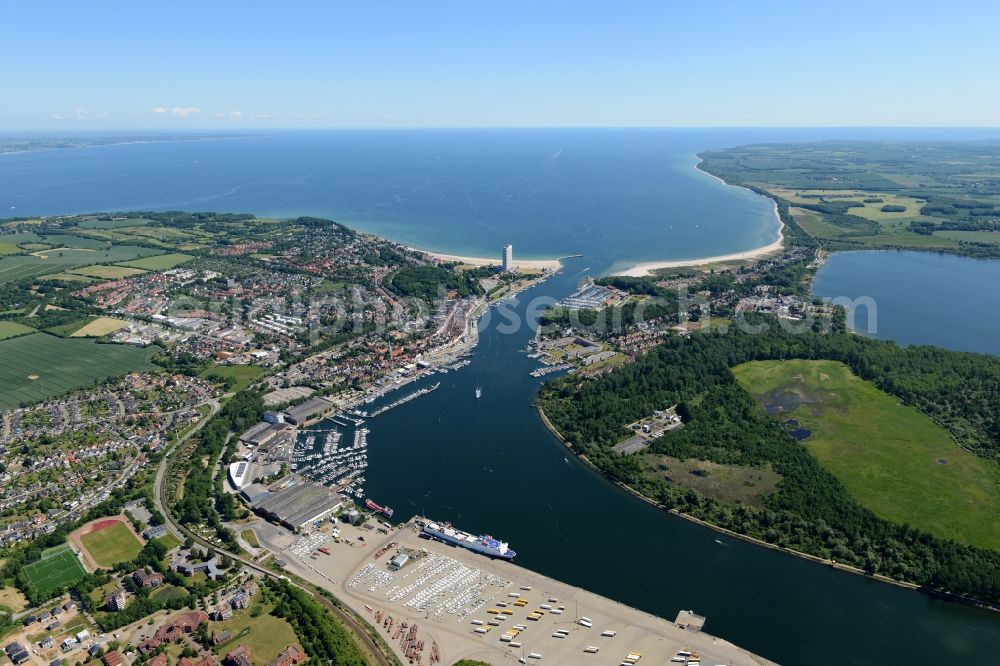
[[308, 409], [507, 259], [297, 505], [239, 473]]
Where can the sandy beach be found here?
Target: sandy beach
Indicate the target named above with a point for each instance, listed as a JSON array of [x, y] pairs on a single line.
[[537, 264], [647, 268]]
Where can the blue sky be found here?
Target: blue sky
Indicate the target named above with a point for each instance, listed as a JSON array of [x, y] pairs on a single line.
[[215, 64]]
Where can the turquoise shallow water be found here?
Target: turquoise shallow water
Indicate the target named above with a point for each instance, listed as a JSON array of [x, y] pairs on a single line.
[[615, 196]]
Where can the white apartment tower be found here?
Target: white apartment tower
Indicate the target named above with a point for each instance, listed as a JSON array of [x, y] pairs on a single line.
[[507, 260]]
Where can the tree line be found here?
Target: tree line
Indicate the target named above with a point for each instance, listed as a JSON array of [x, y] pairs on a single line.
[[811, 511]]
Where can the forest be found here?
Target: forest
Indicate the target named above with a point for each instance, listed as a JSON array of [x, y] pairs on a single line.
[[811, 511], [200, 504], [430, 282], [322, 637]]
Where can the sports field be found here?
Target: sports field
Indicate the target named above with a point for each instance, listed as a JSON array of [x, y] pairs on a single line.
[[58, 568], [40, 366], [110, 542], [11, 329], [99, 327], [892, 459], [160, 262]]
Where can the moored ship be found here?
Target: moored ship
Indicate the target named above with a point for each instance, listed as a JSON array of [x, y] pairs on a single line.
[[384, 510], [483, 544]]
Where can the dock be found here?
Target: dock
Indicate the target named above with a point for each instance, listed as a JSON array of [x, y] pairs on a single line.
[[468, 606]]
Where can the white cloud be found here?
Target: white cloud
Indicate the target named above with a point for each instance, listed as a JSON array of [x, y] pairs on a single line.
[[235, 115], [185, 111], [75, 114], [159, 110]]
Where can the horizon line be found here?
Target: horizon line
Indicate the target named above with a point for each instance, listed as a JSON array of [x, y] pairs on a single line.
[[493, 127]]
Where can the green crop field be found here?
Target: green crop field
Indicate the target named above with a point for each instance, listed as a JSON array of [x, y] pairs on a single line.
[[40, 366], [58, 568], [893, 459], [161, 262], [991, 237], [8, 248], [111, 545], [113, 224], [107, 272], [10, 329], [63, 260]]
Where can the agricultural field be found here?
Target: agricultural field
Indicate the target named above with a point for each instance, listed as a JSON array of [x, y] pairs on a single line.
[[99, 327], [242, 375], [113, 224], [8, 248], [989, 237], [107, 272], [68, 329], [892, 459], [160, 262], [64, 260], [71, 277], [41, 366], [110, 544], [58, 568], [871, 194], [74, 241], [10, 329]]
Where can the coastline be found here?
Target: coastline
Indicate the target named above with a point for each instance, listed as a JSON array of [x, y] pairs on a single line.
[[846, 568], [647, 268], [536, 264]]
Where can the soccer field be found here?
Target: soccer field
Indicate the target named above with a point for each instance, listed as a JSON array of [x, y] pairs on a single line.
[[111, 544], [58, 568]]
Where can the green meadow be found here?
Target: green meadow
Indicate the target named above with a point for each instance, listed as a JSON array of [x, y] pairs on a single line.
[[892, 459]]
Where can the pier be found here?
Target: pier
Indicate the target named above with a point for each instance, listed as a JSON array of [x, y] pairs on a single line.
[[402, 401]]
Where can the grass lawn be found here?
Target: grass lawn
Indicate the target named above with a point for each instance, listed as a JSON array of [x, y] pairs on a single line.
[[268, 635], [250, 537], [169, 540], [111, 545], [58, 568], [892, 459], [40, 366], [159, 263], [10, 329], [168, 592], [242, 374], [99, 327], [12, 599]]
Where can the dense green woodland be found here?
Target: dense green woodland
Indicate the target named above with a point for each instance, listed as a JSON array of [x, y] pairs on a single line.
[[200, 503], [322, 637], [811, 511], [430, 282]]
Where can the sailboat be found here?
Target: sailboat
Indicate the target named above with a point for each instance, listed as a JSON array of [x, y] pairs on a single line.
[[479, 392]]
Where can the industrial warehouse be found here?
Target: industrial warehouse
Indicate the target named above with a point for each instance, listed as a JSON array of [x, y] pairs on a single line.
[[295, 505]]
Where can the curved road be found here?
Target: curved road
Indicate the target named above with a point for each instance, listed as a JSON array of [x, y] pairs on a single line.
[[356, 625]]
